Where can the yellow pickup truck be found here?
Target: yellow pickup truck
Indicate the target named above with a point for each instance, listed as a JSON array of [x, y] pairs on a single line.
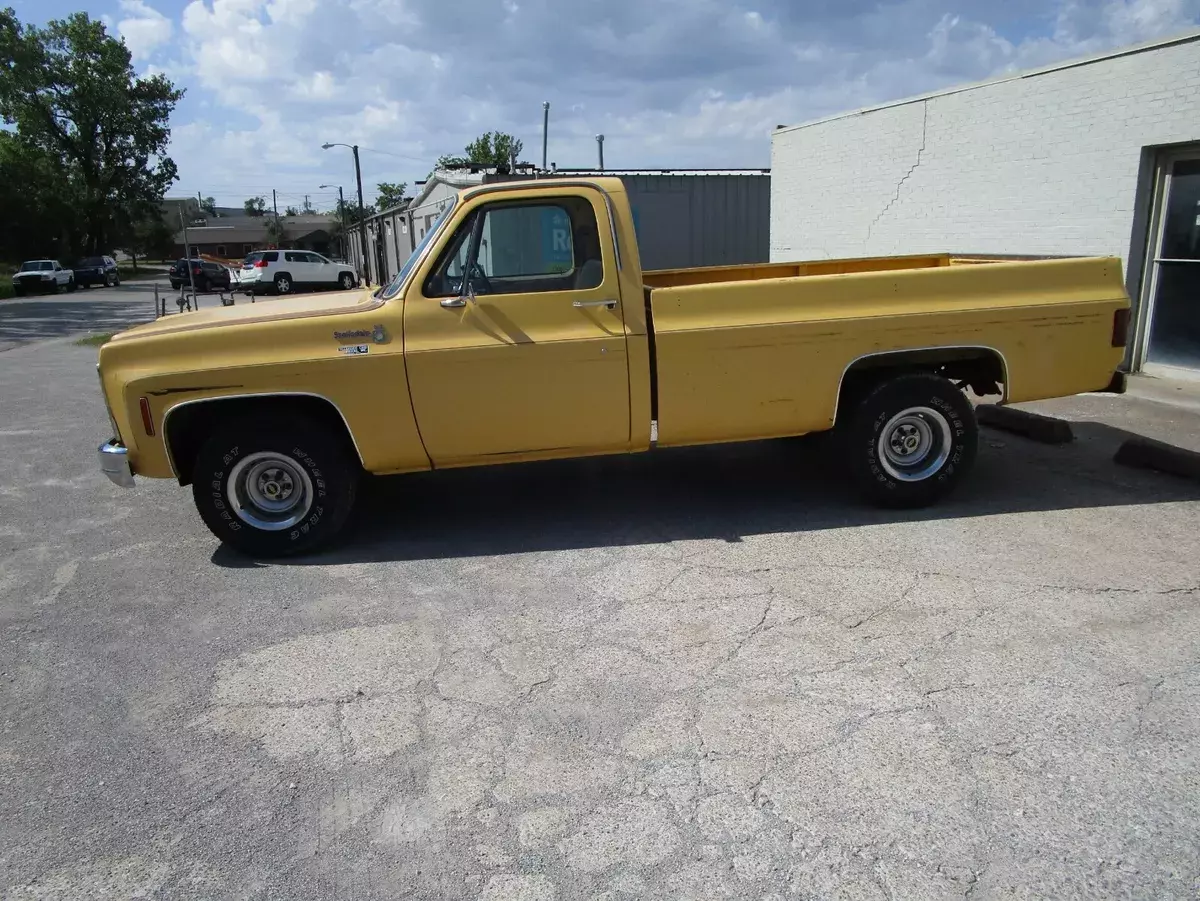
[[523, 328]]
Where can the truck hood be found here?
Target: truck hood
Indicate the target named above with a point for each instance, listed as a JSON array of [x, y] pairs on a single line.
[[268, 310]]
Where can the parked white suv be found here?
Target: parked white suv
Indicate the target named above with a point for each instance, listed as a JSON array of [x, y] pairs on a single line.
[[42, 276], [288, 271]]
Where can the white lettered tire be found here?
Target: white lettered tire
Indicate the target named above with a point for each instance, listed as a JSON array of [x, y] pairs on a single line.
[[272, 488], [910, 440]]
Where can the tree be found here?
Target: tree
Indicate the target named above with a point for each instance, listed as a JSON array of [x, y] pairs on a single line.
[[276, 231], [291, 211], [149, 236], [492, 149], [209, 205], [70, 91], [390, 194], [255, 206], [35, 198]]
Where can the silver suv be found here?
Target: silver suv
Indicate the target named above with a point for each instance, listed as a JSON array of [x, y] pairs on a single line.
[[289, 271]]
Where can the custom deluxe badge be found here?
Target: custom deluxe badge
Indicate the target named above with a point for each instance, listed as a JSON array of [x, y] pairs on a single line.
[[352, 350]]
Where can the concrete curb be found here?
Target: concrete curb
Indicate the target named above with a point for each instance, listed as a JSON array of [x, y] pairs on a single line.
[[1046, 429], [1146, 453]]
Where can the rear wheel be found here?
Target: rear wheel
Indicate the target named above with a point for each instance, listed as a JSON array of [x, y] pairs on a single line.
[[910, 440], [283, 284], [274, 488]]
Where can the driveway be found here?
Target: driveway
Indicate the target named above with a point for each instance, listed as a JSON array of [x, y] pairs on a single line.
[[702, 673]]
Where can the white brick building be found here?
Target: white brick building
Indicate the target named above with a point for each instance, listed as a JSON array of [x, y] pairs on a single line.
[[1094, 157]]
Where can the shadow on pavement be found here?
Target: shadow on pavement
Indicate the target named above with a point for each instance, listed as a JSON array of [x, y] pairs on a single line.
[[715, 492]]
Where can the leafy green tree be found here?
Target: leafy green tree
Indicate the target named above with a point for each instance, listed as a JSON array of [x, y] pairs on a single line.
[[291, 211], [492, 149], [70, 92], [276, 231], [209, 206], [37, 217], [255, 206], [148, 236], [390, 194]]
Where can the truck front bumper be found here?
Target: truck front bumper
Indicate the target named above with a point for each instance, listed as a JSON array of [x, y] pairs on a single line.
[[114, 463]]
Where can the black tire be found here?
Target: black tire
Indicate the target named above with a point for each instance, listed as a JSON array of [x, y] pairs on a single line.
[[18, 292], [71, 286], [910, 440], [310, 459], [284, 284], [346, 281]]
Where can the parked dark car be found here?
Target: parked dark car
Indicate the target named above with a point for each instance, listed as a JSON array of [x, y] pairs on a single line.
[[206, 275], [97, 271]]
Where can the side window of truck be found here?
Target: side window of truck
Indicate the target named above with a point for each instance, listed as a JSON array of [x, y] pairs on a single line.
[[522, 247]]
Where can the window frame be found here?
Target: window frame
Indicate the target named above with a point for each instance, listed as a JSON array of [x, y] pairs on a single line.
[[477, 218]]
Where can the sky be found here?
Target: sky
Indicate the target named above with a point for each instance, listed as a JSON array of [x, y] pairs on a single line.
[[670, 83]]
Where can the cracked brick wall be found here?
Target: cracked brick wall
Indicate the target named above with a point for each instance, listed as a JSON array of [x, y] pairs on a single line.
[[1043, 164]]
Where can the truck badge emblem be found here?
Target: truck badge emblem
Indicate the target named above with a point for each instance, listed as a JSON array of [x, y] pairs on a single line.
[[377, 334]]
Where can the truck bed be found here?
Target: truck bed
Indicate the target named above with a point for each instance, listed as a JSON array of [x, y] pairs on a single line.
[[706, 275], [759, 351]]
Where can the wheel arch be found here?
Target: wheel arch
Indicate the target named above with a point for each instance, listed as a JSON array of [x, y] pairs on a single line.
[[188, 424], [982, 367]]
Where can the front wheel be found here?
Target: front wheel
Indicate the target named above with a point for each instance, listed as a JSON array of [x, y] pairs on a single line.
[[274, 488], [346, 281], [911, 440]]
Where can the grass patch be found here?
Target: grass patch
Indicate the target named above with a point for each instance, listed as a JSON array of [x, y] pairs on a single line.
[[94, 340], [126, 272], [6, 289]]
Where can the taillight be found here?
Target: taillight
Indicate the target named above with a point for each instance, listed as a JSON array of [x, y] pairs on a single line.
[[260, 264], [147, 419], [1120, 335], [195, 270]]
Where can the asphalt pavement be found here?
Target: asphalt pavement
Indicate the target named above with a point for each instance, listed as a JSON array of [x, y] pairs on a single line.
[[701, 673], [25, 320]]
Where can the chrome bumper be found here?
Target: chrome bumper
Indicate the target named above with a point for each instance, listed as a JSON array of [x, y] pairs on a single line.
[[114, 463]]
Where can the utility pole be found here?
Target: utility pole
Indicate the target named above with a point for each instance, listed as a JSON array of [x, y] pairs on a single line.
[[341, 219], [306, 206], [545, 131], [600, 147], [275, 202]]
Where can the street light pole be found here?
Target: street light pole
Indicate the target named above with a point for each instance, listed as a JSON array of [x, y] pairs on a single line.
[[362, 213]]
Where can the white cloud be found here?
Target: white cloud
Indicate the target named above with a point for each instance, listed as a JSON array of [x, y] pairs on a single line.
[[670, 82], [143, 28]]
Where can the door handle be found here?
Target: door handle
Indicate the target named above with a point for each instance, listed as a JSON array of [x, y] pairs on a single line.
[[451, 303], [584, 304]]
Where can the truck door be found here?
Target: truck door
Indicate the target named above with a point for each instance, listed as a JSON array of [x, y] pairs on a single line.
[[514, 341]]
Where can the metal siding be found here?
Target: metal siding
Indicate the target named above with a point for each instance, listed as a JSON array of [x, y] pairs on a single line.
[[701, 220]]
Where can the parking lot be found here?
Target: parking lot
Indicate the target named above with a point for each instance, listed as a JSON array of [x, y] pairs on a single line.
[[703, 673]]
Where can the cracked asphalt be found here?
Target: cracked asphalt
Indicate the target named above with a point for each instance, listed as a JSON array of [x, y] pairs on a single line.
[[704, 673]]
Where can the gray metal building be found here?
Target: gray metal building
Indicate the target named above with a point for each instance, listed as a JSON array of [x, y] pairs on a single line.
[[684, 217]]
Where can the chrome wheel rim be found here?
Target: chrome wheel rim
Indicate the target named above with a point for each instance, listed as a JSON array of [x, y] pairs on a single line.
[[269, 491], [914, 444], [347, 284], [283, 286]]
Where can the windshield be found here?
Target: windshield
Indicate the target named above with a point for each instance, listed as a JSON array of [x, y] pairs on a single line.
[[397, 283], [92, 261], [37, 266]]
